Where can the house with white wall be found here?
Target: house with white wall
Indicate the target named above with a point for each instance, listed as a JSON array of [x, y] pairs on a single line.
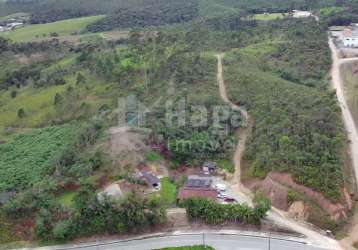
[[350, 38]]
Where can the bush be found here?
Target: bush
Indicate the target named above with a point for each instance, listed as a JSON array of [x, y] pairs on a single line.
[[214, 213], [63, 230]]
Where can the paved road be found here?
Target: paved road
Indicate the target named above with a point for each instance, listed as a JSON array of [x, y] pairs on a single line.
[[218, 241]]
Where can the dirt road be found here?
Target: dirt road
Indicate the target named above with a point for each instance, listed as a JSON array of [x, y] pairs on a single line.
[[276, 216], [337, 84]]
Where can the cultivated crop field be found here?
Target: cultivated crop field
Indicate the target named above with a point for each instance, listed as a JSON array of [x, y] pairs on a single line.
[[27, 158]]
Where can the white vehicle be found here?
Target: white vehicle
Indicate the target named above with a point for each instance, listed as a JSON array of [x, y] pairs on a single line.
[[222, 196], [220, 187]]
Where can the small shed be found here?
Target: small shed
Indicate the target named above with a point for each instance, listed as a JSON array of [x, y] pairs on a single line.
[[151, 179], [209, 167]]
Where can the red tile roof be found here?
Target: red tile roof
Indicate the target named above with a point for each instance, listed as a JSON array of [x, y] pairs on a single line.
[[190, 192]]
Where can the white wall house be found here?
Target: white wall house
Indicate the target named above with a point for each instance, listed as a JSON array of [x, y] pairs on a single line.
[[350, 38], [350, 42]]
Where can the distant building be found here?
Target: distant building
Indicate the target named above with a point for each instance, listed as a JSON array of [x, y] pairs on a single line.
[[2, 28], [195, 181], [194, 192], [301, 14], [14, 25]]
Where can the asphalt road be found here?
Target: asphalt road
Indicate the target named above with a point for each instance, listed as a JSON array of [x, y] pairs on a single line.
[[218, 241]]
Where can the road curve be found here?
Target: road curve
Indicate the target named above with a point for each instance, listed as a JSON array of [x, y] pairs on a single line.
[[219, 241]]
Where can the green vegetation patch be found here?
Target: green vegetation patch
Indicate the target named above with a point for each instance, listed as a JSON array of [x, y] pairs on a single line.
[[351, 88], [198, 247], [28, 158], [154, 156], [168, 192], [268, 16], [226, 165], [59, 28], [66, 199]]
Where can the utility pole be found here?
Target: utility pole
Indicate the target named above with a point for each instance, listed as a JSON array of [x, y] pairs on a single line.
[[204, 240], [269, 242]]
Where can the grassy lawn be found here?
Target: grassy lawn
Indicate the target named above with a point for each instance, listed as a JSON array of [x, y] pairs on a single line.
[[227, 165], [269, 16], [62, 28], [168, 192], [38, 105], [154, 156], [198, 247], [330, 10], [351, 88], [66, 199]]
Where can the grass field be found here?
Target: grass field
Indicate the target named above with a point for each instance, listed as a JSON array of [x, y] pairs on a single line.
[[211, 8], [269, 16], [37, 103], [62, 28], [66, 199], [330, 10], [350, 81], [199, 247], [168, 191]]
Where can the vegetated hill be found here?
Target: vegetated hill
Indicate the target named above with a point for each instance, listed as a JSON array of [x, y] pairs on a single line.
[[52, 10], [297, 128], [156, 14]]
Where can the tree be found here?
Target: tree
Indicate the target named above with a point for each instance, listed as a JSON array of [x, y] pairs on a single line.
[[80, 78], [13, 93], [58, 100], [21, 113]]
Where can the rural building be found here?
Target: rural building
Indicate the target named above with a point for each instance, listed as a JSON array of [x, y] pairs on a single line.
[[195, 181], [14, 25], [209, 167], [195, 192], [151, 180], [350, 37], [301, 14], [2, 28]]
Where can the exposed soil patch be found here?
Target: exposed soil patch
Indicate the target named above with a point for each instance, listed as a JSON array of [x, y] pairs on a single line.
[[276, 185]]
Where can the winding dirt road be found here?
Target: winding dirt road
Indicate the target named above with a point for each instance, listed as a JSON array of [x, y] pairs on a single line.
[[276, 216], [337, 84]]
